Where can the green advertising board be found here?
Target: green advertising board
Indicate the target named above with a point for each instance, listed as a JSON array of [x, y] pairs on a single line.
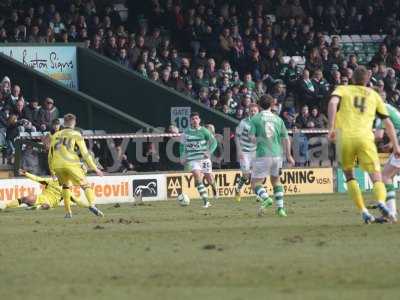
[[341, 180]]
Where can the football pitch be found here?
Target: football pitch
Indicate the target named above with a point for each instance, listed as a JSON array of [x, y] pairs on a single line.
[[162, 251]]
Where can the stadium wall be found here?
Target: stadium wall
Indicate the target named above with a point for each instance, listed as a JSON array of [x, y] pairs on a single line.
[[147, 100], [167, 186]]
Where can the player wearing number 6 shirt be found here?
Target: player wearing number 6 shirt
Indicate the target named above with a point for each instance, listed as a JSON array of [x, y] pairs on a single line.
[[67, 147], [269, 132], [197, 146], [352, 110]]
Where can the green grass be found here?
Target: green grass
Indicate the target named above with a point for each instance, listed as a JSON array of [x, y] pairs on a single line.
[[158, 251]]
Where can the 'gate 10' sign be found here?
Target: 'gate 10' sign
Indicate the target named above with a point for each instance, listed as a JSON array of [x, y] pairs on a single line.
[[180, 116]]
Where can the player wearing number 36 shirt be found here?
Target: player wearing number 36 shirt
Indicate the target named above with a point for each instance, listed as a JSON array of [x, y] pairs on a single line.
[[352, 110], [67, 147], [197, 146]]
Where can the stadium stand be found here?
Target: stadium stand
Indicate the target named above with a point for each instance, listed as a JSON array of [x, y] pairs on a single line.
[[196, 47], [226, 54]]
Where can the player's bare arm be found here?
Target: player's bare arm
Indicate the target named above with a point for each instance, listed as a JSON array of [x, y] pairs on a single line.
[[332, 110], [391, 133], [287, 147]]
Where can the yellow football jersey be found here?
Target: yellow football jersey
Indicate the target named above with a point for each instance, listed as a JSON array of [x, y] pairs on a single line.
[[52, 189], [357, 110], [66, 147]]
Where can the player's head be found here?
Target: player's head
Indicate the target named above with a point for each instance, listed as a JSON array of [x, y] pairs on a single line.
[[361, 76], [195, 119], [253, 109], [266, 102], [69, 121]]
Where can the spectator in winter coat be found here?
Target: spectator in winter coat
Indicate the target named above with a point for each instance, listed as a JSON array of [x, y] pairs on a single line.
[[47, 114]]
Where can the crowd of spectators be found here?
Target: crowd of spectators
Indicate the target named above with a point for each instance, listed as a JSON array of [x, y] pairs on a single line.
[[226, 54], [18, 115]]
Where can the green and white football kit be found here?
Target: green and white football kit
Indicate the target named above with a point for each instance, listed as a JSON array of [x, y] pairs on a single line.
[[269, 130], [247, 146]]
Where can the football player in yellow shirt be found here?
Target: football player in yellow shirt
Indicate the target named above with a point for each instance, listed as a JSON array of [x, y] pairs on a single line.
[[67, 147], [351, 111], [50, 197]]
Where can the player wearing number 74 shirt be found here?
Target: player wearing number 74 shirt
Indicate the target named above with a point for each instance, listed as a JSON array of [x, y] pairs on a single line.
[[67, 147], [352, 110]]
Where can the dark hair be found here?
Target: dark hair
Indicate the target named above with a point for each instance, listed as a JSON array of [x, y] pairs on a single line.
[[194, 114], [266, 101]]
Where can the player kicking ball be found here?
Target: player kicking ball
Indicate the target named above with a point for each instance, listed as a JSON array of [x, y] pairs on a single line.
[[269, 133], [50, 197], [246, 149], [392, 166], [66, 147], [351, 112], [197, 146]]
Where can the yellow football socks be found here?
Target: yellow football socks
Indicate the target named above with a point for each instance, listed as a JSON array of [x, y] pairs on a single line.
[[355, 194], [89, 195], [379, 191], [66, 194]]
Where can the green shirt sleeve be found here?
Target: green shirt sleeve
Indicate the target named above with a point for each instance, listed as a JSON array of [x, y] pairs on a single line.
[[253, 129]]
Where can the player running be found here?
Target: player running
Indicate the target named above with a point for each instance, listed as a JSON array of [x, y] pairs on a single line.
[[50, 197], [246, 148], [197, 146], [392, 166], [351, 112], [268, 131], [66, 147]]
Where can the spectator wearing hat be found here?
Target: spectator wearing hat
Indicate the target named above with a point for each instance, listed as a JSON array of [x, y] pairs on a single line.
[[48, 112]]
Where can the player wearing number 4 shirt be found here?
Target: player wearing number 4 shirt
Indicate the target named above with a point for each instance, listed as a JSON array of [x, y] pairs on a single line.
[[352, 110], [269, 132], [197, 146], [67, 147], [246, 148]]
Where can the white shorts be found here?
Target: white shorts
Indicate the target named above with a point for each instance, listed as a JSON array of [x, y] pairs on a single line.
[[394, 161], [262, 167], [204, 165], [245, 163]]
